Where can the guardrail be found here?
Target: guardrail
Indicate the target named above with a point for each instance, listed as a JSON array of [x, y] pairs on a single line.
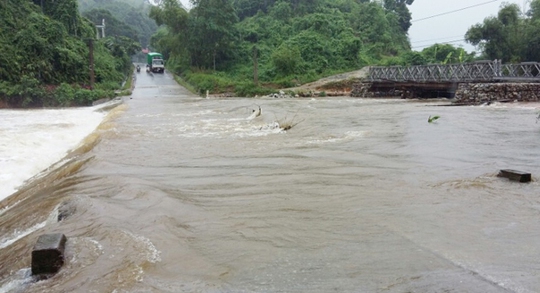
[[480, 71]]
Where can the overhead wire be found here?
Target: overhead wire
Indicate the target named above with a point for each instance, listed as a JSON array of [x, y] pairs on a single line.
[[446, 13], [448, 42], [437, 39], [453, 11]]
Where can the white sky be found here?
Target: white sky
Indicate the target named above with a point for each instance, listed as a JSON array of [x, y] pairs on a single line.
[[186, 3], [449, 27]]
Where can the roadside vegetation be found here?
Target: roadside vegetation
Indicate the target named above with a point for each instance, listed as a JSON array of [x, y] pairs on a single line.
[[44, 52], [252, 47], [238, 47], [127, 18], [257, 46]]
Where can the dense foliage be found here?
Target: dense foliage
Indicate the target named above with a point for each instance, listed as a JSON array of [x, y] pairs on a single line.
[[510, 36], [292, 41], [127, 18], [45, 55]]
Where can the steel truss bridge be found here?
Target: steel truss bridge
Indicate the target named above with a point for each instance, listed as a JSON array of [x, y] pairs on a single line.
[[441, 80], [481, 71]]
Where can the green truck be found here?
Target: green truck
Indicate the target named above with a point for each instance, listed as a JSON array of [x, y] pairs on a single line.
[[155, 62]]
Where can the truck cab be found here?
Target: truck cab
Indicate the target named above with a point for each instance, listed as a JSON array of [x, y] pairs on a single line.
[[155, 62]]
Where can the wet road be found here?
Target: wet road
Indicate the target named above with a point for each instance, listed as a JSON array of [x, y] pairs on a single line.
[[183, 194]]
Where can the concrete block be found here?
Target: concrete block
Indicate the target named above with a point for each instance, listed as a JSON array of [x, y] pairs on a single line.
[[48, 254], [515, 175]]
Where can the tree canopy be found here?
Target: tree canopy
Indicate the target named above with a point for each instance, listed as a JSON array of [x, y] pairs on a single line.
[[44, 47], [290, 37], [131, 15], [511, 36]]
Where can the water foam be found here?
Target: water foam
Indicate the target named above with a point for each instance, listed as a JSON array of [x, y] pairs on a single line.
[[153, 255], [33, 140], [20, 279], [16, 235]]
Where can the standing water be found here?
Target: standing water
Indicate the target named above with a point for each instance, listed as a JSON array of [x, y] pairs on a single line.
[[182, 194]]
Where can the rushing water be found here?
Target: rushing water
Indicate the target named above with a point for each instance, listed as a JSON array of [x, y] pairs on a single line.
[[33, 140], [175, 193]]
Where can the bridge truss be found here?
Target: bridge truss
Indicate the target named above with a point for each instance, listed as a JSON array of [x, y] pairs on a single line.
[[481, 71]]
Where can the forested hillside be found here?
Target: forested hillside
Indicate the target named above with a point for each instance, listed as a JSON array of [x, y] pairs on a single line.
[[44, 52], [122, 18], [246, 44]]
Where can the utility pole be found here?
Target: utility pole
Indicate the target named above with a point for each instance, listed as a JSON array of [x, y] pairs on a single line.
[[91, 58], [102, 27], [255, 66]]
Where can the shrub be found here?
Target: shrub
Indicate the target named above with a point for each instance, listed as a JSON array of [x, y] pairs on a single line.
[[249, 89], [85, 97], [287, 59], [64, 94]]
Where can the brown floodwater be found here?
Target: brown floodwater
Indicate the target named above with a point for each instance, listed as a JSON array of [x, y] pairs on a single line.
[[177, 193]]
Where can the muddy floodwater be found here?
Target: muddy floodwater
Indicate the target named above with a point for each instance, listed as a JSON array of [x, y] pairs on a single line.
[[177, 193]]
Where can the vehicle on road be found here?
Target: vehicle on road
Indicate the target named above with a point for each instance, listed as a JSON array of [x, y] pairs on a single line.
[[155, 62]]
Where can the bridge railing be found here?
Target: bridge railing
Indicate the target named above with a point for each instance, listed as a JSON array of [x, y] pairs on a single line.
[[480, 71]]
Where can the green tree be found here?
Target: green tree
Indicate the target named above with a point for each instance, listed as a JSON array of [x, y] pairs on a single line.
[[211, 32], [43, 45], [446, 54], [287, 60], [130, 13], [248, 8], [399, 7], [296, 40], [500, 37], [172, 38]]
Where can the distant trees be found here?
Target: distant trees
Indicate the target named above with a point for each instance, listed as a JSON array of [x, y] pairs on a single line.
[[44, 55], [211, 33], [446, 54], [399, 7], [132, 15], [510, 36], [292, 37], [114, 27]]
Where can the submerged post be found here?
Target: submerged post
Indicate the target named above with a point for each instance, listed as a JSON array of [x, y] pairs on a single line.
[[48, 254], [515, 175]]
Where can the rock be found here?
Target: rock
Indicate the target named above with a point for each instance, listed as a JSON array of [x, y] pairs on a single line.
[[65, 210], [48, 254], [480, 93]]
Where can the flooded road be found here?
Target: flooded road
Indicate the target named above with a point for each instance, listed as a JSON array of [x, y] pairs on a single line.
[[176, 193]]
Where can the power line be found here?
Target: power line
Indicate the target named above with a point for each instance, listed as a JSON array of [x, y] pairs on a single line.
[[453, 11], [449, 42], [438, 39]]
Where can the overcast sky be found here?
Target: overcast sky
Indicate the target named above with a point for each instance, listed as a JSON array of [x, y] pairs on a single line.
[[452, 26]]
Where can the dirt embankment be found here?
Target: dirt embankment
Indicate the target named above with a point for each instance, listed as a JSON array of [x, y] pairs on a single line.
[[335, 85]]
